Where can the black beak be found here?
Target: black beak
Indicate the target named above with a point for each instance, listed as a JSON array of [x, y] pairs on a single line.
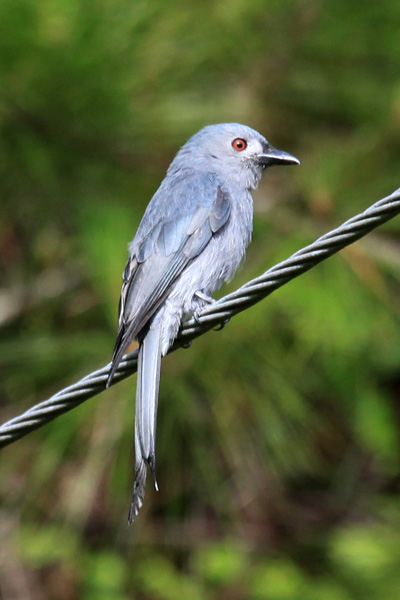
[[272, 156]]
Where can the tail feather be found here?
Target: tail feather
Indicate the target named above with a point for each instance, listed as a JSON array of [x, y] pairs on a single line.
[[121, 346], [149, 364]]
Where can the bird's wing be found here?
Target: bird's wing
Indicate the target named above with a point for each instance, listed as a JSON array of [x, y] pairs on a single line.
[[159, 260]]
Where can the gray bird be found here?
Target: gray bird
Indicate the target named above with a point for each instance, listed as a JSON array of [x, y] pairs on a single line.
[[192, 238]]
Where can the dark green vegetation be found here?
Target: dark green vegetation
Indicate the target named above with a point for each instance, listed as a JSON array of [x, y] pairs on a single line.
[[278, 438]]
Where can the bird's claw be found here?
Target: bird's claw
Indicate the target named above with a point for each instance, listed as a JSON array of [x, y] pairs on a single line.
[[196, 316], [222, 325]]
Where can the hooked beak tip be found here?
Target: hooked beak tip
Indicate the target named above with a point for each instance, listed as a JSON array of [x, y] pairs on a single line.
[[277, 157]]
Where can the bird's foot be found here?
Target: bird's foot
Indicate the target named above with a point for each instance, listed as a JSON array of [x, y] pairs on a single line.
[[205, 299]]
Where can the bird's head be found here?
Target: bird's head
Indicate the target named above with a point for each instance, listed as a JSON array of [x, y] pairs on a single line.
[[235, 152]]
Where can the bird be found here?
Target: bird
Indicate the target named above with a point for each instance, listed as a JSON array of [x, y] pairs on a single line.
[[191, 239]]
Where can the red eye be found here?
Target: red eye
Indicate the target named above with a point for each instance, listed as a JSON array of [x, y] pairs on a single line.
[[239, 144]]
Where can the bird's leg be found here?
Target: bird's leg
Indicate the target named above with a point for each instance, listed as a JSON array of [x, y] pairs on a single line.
[[202, 296], [205, 300]]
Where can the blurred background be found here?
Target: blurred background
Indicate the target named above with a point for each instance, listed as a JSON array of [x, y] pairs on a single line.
[[278, 438]]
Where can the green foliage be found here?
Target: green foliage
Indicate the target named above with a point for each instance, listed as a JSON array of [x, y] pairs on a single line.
[[278, 438]]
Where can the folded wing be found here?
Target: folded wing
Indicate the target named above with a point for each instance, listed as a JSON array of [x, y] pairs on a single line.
[[159, 259]]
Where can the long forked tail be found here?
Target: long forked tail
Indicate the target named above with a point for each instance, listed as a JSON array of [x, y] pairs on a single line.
[[148, 381]]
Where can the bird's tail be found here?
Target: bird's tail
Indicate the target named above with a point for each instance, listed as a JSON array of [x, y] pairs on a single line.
[[148, 381]]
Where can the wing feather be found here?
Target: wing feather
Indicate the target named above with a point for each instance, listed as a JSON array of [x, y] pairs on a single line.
[[156, 264]]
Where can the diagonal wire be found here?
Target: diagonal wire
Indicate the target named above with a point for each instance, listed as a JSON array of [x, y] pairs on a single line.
[[215, 314]]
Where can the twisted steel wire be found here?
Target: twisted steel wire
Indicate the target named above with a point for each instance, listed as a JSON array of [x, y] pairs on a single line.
[[212, 315]]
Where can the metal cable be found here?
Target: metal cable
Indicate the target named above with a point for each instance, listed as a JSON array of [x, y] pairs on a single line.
[[212, 315]]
